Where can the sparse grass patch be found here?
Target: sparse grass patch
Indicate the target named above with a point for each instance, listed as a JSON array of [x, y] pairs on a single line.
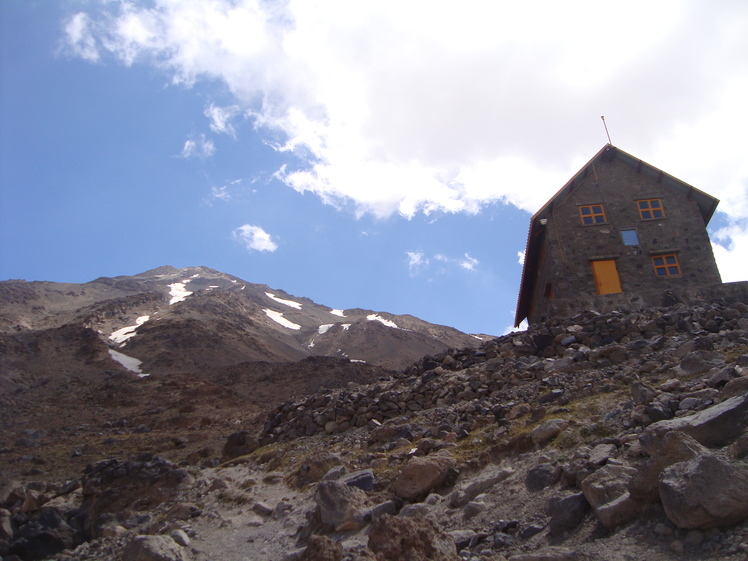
[[736, 352], [232, 497], [475, 445]]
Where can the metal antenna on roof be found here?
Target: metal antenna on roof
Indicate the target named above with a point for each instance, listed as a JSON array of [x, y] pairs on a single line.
[[606, 129]]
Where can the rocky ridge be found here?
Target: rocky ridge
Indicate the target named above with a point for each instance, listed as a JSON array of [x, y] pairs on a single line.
[[615, 436]]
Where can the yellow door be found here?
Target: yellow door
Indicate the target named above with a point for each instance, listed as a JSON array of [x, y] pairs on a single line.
[[606, 277]]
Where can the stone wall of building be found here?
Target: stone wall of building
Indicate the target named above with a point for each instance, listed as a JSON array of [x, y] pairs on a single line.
[[569, 247]]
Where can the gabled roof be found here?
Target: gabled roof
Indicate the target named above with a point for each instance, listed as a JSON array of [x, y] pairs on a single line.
[[707, 205]]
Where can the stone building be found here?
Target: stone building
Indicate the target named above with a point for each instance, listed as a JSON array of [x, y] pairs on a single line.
[[621, 234]]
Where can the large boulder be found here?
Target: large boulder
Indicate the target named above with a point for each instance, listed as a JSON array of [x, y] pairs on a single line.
[[566, 514], [672, 448], [395, 538], [704, 492], [549, 430], [465, 494], [423, 474], [237, 444], [714, 426], [44, 535], [606, 490], [541, 476], [340, 506]]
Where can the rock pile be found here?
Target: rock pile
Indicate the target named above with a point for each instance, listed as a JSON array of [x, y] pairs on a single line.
[[549, 364]]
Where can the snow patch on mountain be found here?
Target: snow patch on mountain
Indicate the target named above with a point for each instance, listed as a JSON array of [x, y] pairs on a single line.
[[337, 313], [131, 363], [178, 292], [277, 317], [380, 319], [289, 303], [122, 335]]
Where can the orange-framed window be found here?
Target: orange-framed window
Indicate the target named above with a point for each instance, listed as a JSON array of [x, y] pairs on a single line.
[[651, 209], [666, 265], [592, 214]]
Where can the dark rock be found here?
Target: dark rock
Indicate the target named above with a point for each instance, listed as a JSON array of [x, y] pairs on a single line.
[[542, 476], [238, 444], [566, 514], [44, 535], [530, 531], [363, 479], [704, 492], [110, 487], [642, 393], [714, 426]]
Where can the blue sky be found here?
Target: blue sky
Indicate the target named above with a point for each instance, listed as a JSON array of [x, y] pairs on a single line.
[[383, 155]]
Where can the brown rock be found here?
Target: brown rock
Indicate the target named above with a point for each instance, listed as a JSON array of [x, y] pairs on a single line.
[[548, 431], [314, 467], [735, 387], [423, 474], [415, 539], [322, 548]]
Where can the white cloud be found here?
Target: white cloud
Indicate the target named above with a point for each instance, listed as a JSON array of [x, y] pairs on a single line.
[[221, 117], [254, 238], [521, 257], [417, 261], [199, 147], [80, 37], [469, 263], [730, 246], [221, 193], [432, 105]]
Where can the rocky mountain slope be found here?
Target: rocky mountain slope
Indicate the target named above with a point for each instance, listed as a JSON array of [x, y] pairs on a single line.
[[604, 437], [185, 320]]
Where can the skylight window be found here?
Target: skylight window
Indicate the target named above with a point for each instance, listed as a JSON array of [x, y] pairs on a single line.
[[629, 237]]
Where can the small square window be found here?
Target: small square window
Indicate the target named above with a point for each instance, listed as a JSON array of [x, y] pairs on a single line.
[[592, 214], [666, 265], [629, 237], [651, 209]]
